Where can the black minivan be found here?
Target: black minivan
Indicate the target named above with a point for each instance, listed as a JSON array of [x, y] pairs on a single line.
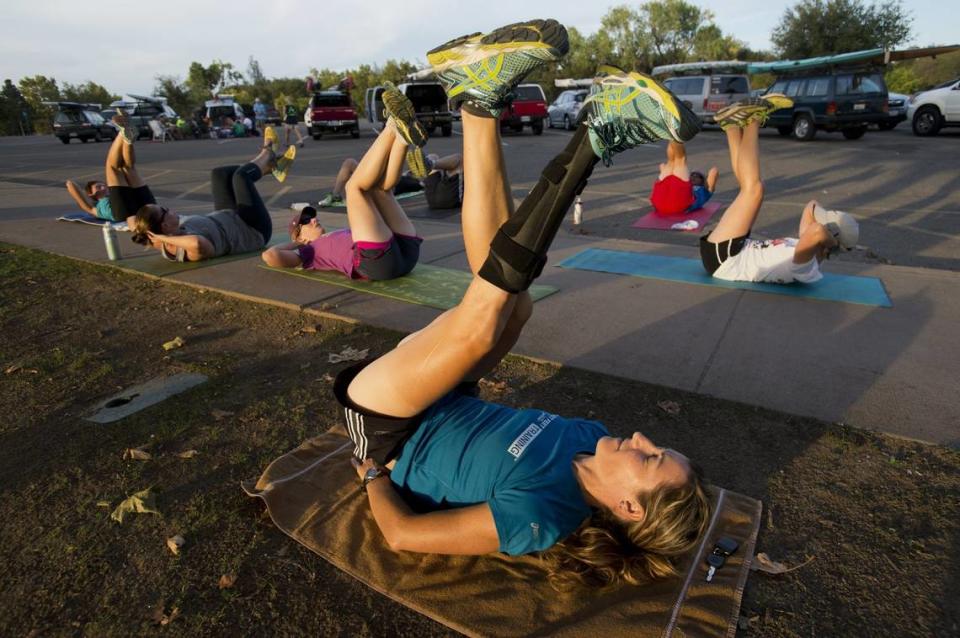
[[838, 100]]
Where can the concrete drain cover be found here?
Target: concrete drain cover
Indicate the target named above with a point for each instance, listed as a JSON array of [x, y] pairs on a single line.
[[143, 396]]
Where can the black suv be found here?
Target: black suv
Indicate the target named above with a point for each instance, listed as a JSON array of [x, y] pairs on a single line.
[[82, 122], [831, 100]]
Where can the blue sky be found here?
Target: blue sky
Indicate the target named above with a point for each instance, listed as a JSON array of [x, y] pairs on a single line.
[[125, 45]]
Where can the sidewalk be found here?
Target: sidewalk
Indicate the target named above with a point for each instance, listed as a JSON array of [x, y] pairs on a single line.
[[889, 369]]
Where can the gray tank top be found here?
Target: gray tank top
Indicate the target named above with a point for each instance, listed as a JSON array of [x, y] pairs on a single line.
[[224, 230]]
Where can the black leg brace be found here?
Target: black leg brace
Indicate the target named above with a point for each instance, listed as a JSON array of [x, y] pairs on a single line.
[[518, 251]]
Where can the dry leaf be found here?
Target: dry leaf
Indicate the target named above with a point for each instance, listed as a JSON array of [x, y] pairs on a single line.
[[670, 407], [188, 454], [227, 580], [494, 386], [174, 543], [327, 377], [103, 503], [349, 354], [763, 563], [11, 369], [220, 414], [309, 329], [137, 454], [140, 503], [166, 619], [178, 342]]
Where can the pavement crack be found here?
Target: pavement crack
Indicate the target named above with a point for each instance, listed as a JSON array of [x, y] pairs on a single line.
[[716, 348]]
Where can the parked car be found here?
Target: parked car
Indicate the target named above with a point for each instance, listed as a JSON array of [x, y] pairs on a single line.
[[218, 110], [931, 110], [529, 108], [709, 93], [429, 101], [80, 121], [565, 109], [331, 112], [896, 111], [273, 116], [831, 100], [140, 109]]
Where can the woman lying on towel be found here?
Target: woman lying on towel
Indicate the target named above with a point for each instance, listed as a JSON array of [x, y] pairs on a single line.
[[678, 190], [728, 252], [124, 192], [381, 242], [241, 222], [471, 477]]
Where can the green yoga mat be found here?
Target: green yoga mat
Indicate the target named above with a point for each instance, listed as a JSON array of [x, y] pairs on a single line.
[[426, 285], [867, 291], [154, 263], [343, 203]]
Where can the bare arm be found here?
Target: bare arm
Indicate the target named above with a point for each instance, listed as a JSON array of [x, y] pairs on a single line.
[[196, 247], [466, 530], [283, 256], [81, 198]]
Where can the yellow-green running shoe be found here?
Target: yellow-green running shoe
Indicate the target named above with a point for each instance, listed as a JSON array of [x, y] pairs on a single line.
[[417, 163], [483, 69], [752, 109], [284, 162], [400, 108], [270, 139], [625, 110]]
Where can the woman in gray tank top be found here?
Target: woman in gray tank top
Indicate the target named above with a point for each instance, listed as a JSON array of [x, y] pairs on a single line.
[[240, 222]]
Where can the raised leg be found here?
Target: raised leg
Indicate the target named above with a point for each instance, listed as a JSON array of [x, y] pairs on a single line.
[[363, 214], [347, 168], [738, 219], [114, 167]]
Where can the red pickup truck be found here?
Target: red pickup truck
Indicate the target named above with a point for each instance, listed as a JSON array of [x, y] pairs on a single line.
[[331, 112], [529, 108]]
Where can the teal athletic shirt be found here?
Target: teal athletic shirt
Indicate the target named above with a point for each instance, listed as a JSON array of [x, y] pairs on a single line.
[[104, 211], [467, 451]]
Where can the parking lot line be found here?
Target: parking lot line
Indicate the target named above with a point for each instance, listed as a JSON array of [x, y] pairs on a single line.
[[193, 190], [280, 193]]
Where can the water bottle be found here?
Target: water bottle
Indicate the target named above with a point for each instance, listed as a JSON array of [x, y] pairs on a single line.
[[111, 242], [577, 212]]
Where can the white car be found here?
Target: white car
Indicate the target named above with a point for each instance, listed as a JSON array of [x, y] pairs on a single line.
[[931, 110]]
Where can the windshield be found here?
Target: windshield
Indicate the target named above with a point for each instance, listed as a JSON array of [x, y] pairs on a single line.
[[427, 95], [335, 99], [726, 84], [529, 93]]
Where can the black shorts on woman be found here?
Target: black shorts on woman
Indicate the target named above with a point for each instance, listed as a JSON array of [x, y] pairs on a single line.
[[125, 201]]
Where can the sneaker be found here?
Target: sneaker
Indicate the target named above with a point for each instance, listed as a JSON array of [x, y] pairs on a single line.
[[330, 200], [127, 129], [417, 163], [270, 139], [283, 163], [483, 69], [843, 226], [400, 108], [625, 110], [752, 109]]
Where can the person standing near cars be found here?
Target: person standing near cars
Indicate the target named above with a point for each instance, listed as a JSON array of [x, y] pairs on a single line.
[[259, 114], [290, 121]]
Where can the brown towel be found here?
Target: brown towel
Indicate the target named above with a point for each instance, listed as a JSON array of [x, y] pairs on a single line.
[[312, 495]]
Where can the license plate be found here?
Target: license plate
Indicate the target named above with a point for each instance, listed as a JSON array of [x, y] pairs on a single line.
[[524, 118], [333, 122], [859, 107], [73, 135], [896, 111]]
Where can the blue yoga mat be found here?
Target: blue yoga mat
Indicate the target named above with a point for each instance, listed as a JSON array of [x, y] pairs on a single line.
[[86, 218], [867, 291]]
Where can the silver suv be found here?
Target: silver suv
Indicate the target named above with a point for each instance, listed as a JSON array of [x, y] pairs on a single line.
[[707, 94]]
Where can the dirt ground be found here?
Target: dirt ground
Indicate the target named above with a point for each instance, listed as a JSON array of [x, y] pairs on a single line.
[[879, 516]]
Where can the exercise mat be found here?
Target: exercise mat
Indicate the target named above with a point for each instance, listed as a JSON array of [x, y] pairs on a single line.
[[655, 221], [342, 203], [867, 291], [312, 495], [93, 220], [426, 285], [155, 264]]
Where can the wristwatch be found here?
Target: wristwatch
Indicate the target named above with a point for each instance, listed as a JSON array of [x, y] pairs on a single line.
[[371, 475]]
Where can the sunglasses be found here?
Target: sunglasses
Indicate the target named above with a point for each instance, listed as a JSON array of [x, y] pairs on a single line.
[[306, 215]]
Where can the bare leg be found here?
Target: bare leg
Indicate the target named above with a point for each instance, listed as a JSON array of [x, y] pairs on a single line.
[[113, 168], [394, 168], [363, 214], [740, 216], [451, 164], [346, 170], [130, 166], [712, 175], [807, 218]]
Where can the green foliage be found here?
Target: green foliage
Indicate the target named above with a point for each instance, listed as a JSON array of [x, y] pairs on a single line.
[[36, 90], [177, 94], [923, 73], [13, 107], [827, 27], [87, 93]]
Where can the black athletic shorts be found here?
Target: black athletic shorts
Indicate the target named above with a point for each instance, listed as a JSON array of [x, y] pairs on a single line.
[[407, 184], [127, 200], [441, 190], [381, 261], [712, 255]]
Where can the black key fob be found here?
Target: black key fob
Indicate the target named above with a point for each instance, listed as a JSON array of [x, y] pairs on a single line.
[[716, 560], [726, 545]]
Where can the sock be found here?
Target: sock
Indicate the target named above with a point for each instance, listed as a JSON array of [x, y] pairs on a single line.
[[473, 108], [518, 251]]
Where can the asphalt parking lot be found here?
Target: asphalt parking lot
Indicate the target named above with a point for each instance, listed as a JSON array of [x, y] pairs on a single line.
[[903, 188]]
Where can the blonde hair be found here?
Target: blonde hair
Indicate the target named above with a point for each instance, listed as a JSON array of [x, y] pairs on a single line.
[[607, 551], [143, 223]]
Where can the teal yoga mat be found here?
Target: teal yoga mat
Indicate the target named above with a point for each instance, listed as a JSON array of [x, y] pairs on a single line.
[[426, 285], [867, 291]]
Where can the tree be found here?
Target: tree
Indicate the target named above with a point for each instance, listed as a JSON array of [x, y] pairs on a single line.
[[177, 94], [673, 26], [205, 82], [827, 27], [36, 90], [89, 92], [14, 110]]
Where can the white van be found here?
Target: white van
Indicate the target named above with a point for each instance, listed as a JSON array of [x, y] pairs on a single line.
[[707, 87]]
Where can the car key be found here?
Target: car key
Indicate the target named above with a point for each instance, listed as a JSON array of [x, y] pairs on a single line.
[[726, 546], [715, 561]]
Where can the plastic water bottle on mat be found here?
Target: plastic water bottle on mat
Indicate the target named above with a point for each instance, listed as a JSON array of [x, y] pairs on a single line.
[[111, 242], [577, 212]]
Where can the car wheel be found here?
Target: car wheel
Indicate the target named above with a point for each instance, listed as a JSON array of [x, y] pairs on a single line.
[[65, 140], [317, 136], [566, 123], [549, 122], [927, 121], [447, 130], [84, 139], [537, 128], [355, 133], [804, 128], [97, 137], [854, 133], [784, 130]]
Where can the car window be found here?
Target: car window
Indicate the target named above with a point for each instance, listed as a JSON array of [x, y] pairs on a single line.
[[95, 118], [726, 84], [687, 86], [793, 88], [817, 87], [778, 87], [579, 97], [68, 117], [424, 94], [859, 84], [528, 93], [319, 100]]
